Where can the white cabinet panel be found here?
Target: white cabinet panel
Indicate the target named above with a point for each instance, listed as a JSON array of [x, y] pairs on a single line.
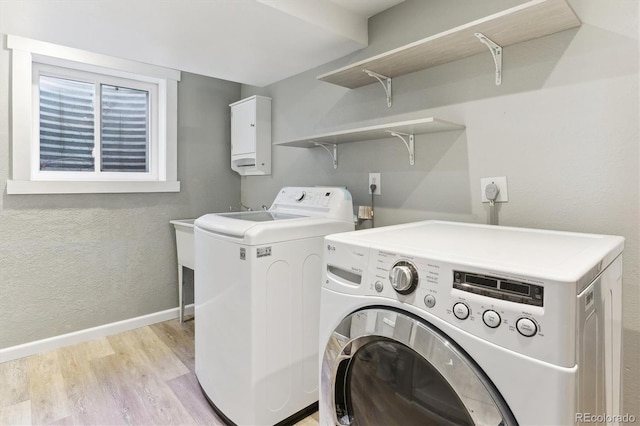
[[243, 128], [251, 136]]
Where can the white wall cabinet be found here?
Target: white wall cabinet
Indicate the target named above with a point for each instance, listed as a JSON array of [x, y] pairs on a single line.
[[251, 136]]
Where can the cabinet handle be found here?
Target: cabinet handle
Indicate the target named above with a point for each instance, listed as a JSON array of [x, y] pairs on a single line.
[[253, 125]]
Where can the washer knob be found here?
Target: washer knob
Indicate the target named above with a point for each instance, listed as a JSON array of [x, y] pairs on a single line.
[[491, 318], [526, 327], [299, 196], [461, 311], [403, 277]]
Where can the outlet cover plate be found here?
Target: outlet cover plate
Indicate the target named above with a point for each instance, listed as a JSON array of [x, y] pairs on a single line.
[[375, 178], [501, 183]]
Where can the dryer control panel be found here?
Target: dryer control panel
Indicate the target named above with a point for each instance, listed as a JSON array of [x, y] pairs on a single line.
[[513, 311], [499, 288], [516, 288]]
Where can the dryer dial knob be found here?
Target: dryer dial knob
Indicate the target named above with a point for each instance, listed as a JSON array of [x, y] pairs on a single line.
[[403, 277], [299, 196]]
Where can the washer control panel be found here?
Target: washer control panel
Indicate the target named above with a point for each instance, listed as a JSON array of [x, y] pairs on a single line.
[[326, 202], [310, 197]]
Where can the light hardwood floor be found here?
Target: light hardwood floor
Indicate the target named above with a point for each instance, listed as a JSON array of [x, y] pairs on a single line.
[[139, 377]]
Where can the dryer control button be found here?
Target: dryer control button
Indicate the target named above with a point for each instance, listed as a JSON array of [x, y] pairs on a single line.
[[430, 300], [461, 311], [526, 327], [491, 318], [379, 286]]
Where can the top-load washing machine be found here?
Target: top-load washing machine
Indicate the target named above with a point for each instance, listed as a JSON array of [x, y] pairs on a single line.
[[257, 298], [440, 323]]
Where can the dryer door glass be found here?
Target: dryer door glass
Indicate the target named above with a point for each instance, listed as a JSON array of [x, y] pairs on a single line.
[[387, 367], [389, 383]]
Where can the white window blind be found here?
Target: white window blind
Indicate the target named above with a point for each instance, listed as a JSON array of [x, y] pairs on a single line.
[[125, 129], [67, 119]]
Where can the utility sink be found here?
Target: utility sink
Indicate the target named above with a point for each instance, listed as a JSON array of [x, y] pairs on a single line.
[[185, 248], [184, 241]]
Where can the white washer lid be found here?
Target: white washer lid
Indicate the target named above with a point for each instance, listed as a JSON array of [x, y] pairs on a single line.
[[296, 212], [266, 232], [237, 224]]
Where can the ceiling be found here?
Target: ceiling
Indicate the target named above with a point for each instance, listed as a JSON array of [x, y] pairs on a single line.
[[255, 42]]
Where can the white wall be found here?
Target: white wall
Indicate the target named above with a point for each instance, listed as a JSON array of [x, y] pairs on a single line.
[[563, 128]]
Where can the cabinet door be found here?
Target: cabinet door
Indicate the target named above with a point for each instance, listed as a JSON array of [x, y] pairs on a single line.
[[243, 128]]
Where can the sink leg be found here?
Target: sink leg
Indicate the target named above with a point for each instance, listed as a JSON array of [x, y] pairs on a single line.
[[181, 293]]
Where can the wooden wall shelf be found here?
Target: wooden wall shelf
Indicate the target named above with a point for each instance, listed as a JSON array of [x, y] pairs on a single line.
[[400, 129], [530, 20], [380, 131]]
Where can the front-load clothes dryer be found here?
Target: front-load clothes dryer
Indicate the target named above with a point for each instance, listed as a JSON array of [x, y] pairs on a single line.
[[442, 323], [257, 303]]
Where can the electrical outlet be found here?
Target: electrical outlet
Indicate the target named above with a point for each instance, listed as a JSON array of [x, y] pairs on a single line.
[[374, 179], [501, 183]]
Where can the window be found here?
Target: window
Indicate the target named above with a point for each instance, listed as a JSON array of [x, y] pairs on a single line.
[[94, 124], [71, 107]]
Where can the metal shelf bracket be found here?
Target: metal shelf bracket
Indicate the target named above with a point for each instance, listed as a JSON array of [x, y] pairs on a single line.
[[410, 145], [385, 81], [334, 154], [496, 52]]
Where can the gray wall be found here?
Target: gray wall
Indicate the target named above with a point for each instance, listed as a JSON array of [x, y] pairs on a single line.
[[563, 128], [70, 262]]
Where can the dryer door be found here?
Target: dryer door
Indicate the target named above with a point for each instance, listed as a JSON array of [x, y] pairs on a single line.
[[383, 367]]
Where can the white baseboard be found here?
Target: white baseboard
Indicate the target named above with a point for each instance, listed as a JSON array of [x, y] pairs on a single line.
[[56, 342]]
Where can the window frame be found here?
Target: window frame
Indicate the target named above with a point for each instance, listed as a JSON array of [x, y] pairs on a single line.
[[29, 58]]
